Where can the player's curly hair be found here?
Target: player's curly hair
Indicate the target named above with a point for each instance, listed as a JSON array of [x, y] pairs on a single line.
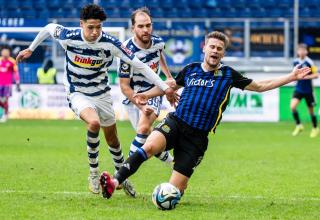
[[139, 10], [220, 36], [93, 11]]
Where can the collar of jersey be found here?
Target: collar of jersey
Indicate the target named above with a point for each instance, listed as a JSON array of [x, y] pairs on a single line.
[[219, 67], [135, 44]]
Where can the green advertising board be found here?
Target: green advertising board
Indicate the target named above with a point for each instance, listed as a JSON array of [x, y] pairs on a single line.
[[285, 98]]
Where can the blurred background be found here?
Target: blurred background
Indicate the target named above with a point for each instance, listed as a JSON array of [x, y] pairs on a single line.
[[263, 34]]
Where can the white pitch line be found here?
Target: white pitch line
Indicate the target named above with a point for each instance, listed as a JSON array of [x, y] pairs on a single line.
[[74, 193]]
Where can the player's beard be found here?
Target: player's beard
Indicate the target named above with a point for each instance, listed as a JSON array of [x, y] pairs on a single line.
[[145, 39]]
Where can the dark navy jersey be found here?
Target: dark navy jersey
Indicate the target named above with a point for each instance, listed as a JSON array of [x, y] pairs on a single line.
[[206, 94], [304, 86]]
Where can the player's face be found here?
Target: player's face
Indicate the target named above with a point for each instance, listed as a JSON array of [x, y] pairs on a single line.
[[91, 29], [5, 53], [302, 52], [213, 52], [142, 28]]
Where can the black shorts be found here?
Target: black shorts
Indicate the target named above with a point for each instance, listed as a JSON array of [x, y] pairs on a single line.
[[189, 144], [307, 96]]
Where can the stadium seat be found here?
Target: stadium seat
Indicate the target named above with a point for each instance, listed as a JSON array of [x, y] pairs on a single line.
[[196, 4], [199, 13], [184, 13], [166, 4], [113, 13], [157, 13], [215, 12], [16, 13], [170, 13], [253, 4], [138, 3], [68, 4], [26, 4], [275, 12], [53, 4], [71, 13], [109, 4], [152, 4], [181, 4], [304, 12], [240, 4], [211, 3], [44, 13], [125, 4], [39, 4], [14, 4], [28, 13]]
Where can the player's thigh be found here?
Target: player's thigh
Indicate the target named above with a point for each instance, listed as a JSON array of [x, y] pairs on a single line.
[[83, 107], [179, 180], [133, 115], [155, 104], [155, 143], [105, 110], [189, 152]]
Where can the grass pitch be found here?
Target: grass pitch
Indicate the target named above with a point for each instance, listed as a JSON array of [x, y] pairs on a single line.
[[250, 171]]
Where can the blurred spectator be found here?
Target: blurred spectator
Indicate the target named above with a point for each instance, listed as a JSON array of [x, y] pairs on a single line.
[[47, 73], [8, 72]]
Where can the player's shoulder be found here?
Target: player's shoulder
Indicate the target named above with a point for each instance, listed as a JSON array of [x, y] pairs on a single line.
[[192, 67], [106, 38], [157, 41], [64, 33]]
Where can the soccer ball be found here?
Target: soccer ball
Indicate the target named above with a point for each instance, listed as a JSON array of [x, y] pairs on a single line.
[[166, 196]]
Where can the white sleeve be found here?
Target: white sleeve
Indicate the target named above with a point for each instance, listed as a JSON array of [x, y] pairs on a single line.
[[51, 29], [148, 73], [122, 52]]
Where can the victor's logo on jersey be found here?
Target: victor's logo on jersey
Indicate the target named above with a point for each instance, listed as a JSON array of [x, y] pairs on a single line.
[[200, 82], [87, 61]]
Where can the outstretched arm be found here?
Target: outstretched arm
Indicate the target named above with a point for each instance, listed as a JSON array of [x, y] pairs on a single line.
[[265, 85], [50, 29]]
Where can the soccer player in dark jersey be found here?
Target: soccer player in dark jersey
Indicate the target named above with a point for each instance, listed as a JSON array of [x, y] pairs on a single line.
[[304, 90], [205, 96]]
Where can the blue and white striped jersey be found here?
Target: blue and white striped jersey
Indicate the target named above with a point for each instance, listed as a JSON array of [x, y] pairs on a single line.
[[86, 63], [150, 56]]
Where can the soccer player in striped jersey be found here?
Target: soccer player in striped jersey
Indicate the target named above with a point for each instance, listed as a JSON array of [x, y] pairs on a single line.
[[205, 96], [304, 90], [8, 72], [149, 49], [89, 52]]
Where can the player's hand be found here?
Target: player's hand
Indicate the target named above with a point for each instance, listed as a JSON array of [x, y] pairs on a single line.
[[147, 110], [174, 100], [300, 73], [24, 54], [171, 82], [140, 98], [18, 89]]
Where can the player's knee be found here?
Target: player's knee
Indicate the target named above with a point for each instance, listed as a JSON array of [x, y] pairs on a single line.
[[94, 125], [151, 149]]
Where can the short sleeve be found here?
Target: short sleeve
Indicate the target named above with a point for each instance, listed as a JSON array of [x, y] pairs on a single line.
[[239, 81], [180, 77], [124, 70]]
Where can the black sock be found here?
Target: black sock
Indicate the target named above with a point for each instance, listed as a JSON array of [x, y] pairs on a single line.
[[131, 165], [314, 121], [296, 117]]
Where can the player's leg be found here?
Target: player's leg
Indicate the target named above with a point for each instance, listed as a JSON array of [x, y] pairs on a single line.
[[165, 133], [311, 103], [144, 127], [85, 109], [156, 142], [179, 180], [293, 106]]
